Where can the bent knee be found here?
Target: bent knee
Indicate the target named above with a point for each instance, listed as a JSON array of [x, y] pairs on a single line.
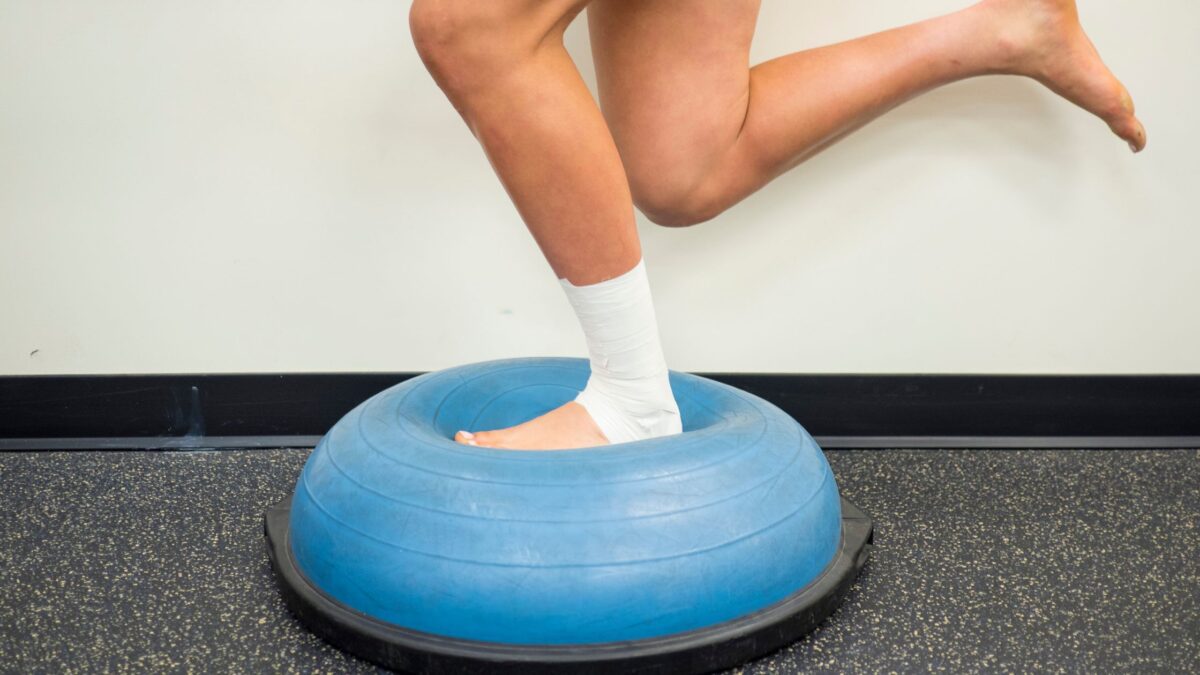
[[462, 42], [672, 201]]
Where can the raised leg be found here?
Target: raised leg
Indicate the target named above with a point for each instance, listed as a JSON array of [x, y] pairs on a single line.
[[503, 66], [699, 130]]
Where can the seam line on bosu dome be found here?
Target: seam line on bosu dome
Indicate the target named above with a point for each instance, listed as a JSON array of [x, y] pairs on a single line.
[[774, 477], [730, 542]]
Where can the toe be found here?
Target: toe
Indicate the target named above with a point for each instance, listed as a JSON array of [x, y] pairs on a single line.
[[1138, 143], [466, 437], [1132, 131], [484, 438]]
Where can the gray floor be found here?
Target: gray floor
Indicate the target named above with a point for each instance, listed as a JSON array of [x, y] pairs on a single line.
[[1060, 561]]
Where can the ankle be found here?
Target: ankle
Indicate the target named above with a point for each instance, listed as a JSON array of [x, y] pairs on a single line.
[[628, 393], [624, 415], [981, 39]]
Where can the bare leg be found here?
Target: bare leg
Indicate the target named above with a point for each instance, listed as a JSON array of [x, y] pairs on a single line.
[[699, 130], [503, 65]]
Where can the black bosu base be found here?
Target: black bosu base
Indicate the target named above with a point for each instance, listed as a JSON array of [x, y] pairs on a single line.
[[702, 650]]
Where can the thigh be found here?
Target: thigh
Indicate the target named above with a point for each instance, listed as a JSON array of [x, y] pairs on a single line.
[[673, 78]]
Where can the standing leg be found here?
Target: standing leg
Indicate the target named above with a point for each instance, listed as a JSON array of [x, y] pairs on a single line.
[[503, 66], [699, 130]]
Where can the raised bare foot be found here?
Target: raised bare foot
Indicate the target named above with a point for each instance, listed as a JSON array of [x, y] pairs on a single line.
[[1044, 40], [567, 426]]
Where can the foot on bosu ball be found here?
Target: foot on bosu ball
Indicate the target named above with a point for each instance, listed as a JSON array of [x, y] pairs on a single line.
[[683, 554]]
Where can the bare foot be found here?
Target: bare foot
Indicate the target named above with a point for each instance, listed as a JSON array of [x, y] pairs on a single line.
[[567, 426], [1044, 40]]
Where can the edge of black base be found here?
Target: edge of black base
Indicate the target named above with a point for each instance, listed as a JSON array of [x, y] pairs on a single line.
[[699, 651]]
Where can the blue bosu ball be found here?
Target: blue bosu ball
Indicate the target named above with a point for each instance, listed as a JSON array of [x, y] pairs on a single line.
[[686, 553]]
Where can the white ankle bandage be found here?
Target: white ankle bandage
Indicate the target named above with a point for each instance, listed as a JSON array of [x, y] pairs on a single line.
[[628, 393]]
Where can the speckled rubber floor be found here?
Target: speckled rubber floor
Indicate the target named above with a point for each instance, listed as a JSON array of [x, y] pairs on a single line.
[[985, 561]]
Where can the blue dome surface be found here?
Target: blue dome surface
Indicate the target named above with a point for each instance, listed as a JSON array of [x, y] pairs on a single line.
[[394, 519]]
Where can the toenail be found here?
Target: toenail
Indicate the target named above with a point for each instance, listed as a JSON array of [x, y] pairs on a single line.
[[467, 435]]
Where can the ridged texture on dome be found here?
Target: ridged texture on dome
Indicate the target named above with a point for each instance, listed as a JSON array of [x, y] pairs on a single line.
[[394, 519]]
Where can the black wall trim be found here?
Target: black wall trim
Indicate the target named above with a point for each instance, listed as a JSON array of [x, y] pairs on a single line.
[[182, 410]]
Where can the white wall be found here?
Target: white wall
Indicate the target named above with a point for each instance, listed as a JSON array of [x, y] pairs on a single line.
[[279, 186]]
